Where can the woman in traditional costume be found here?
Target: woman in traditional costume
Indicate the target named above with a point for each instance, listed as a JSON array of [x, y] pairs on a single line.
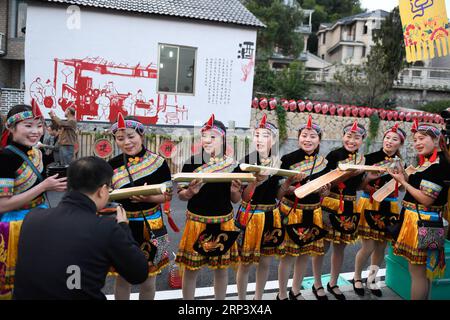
[[137, 166], [376, 217], [424, 202], [339, 210], [301, 218], [209, 237], [22, 186], [258, 217]]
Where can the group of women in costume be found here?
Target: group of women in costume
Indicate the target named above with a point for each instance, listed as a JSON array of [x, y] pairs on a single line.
[[270, 222]]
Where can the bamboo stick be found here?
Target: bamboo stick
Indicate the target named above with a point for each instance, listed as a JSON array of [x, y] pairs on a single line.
[[389, 187], [146, 190], [268, 170], [213, 177], [352, 167], [316, 184]]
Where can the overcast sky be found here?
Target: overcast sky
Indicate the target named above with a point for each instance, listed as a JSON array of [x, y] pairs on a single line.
[[388, 5]]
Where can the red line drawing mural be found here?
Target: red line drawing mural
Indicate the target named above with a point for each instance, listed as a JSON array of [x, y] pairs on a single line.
[[89, 86]]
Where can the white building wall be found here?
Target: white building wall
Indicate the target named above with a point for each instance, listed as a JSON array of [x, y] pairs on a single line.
[[132, 39]]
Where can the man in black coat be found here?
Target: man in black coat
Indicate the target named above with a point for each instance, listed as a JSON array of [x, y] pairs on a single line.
[[66, 252]]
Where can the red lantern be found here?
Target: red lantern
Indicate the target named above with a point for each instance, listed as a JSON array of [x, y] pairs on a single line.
[[390, 115], [437, 118], [426, 117], [325, 108], [317, 108], [292, 105], [362, 112], [263, 103], [369, 112], [255, 103], [401, 115], [309, 106], [301, 105], [408, 116], [332, 109], [347, 111], [340, 111], [382, 114], [355, 111], [273, 104], [395, 115], [420, 116], [285, 104]]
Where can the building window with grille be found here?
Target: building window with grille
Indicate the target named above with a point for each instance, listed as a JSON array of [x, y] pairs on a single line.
[[176, 69], [17, 18]]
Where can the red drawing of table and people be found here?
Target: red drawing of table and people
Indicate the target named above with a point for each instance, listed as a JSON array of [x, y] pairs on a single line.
[[99, 89]]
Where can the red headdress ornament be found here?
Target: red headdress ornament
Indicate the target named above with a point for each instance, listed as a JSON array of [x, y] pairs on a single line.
[[309, 123], [394, 128], [354, 127], [36, 110], [121, 122], [210, 122], [415, 126], [262, 123]]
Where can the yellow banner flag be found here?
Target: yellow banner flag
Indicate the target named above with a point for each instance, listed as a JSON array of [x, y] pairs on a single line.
[[425, 29]]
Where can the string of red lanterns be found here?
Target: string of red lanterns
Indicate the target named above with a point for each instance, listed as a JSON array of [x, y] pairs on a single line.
[[344, 110]]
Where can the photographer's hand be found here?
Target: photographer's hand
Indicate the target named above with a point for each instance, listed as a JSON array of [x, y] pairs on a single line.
[[121, 215]]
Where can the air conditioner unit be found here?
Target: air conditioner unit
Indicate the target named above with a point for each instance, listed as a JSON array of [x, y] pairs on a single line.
[[2, 44]]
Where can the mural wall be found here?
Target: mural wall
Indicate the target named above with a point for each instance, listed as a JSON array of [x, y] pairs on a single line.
[[110, 64]]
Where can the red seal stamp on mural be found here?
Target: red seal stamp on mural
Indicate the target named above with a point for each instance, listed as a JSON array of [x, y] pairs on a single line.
[[103, 148], [167, 149]]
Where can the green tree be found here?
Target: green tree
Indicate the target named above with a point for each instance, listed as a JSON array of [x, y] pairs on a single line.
[[281, 22], [293, 82], [363, 85], [389, 39]]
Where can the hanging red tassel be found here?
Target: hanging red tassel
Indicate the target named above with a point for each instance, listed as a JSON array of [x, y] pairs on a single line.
[[4, 139], [167, 211], [244, 218], [434, 155], [396, 190], [341, 187]]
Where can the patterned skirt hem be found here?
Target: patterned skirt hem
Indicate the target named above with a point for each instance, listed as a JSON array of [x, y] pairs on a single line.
[[185, 262], [370, 234], [340, 239], [410, 254], [296, 251], [154, 271]]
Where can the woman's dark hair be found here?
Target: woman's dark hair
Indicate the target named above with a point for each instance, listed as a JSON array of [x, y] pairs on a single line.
[[88, 174]]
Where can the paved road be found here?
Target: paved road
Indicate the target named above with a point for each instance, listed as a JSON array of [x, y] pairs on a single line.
[[205, 278]]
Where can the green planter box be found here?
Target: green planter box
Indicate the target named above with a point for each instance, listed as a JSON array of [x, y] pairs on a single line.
[[399, 280]]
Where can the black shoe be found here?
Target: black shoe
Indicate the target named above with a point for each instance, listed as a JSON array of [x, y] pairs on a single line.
[[293, 296], [358, 291], [338, 296], [375, 292], [314, 290], [278, 297]]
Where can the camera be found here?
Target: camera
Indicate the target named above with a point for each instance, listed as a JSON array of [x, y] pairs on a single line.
[[110, 209], [446, 115]]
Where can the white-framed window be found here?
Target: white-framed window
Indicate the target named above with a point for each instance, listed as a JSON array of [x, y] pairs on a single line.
[[350, 52], [176, 69], [17, 18]]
